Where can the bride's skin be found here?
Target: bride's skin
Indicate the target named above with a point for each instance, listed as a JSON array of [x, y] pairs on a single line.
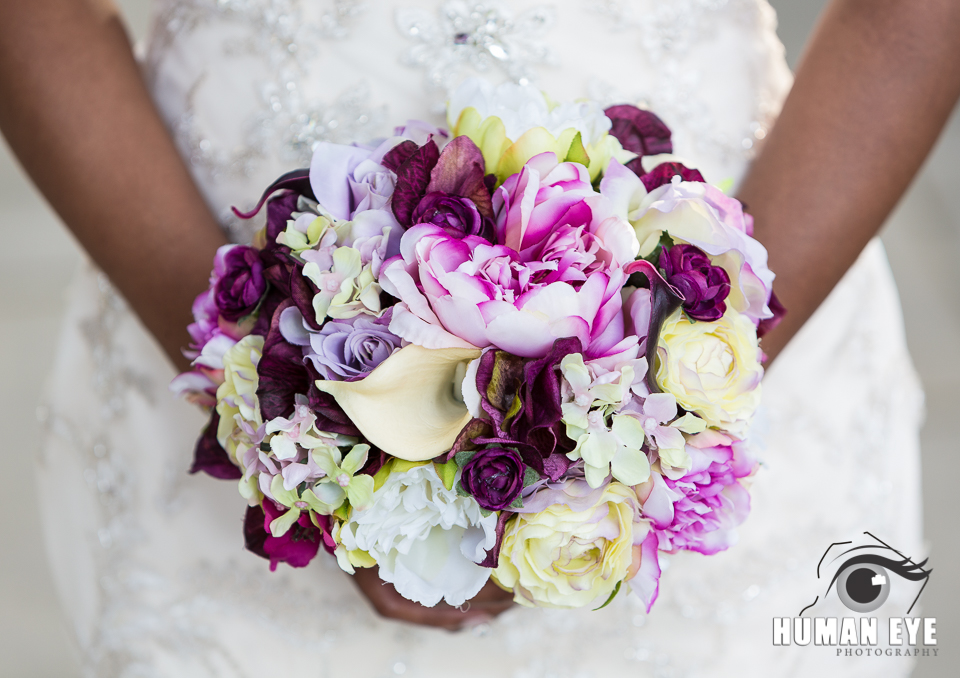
[[875, 87]]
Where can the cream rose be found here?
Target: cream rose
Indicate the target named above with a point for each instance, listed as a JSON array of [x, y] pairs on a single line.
[[713, 369], [573, 553]]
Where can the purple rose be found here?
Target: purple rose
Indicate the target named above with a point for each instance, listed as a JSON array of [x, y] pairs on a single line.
[[455, 215], [352, 348], [494, 477], [240, 285], [704, 286]]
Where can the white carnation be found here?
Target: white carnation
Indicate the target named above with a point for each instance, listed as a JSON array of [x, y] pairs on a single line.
[[426, 540]]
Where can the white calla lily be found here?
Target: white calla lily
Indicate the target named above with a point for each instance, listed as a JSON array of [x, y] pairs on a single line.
[[411, 405]]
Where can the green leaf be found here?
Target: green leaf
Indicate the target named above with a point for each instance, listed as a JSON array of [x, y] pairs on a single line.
[[517, 503], [576, 152], [447, 473], [484, 512], [463, 457], [462, 492], [511, 413], [612, 596], [530, 476]]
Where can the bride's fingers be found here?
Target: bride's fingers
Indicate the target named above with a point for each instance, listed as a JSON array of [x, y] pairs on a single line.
[[491, 594], [390, 604]]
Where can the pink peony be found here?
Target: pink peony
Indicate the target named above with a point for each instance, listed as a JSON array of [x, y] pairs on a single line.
[[700, 510], [468, 293], [550, 214]]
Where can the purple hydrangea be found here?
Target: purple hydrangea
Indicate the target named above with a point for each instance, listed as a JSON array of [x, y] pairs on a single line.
[[704, 286], [494, 477], [240, 283]]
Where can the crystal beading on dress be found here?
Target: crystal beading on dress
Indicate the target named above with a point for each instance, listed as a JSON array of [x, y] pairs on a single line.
[[481, 36], [148, 560]]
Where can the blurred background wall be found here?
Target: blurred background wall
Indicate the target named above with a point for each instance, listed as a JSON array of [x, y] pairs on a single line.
[[922, 240]]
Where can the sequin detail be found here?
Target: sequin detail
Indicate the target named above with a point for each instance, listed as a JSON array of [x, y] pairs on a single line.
[[284, 35], [461, 37]]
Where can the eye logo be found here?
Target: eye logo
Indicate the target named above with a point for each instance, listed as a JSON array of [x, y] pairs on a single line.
[[863, 576]]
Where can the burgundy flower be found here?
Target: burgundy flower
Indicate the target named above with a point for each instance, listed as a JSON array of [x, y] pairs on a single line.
[[455, 215], [666, 171], [457, 172], [704, 286], [241, 284], [640, 132], [494, 477], [522, 400], [210, 457]]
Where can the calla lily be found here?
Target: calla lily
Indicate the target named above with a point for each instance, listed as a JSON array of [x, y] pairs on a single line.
[[410, 406]]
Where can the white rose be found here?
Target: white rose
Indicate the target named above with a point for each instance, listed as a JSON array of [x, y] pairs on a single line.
[[426, 540]]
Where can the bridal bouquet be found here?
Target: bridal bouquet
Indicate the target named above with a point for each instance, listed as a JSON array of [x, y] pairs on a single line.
[[525, 349]]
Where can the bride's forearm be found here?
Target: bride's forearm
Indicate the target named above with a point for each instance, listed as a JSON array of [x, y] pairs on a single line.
[[873, 90], [76, 113]]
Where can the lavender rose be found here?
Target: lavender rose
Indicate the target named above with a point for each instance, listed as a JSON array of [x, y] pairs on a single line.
[[240, 285], [350, 349], [494, 477], [455, 215], [704, 286]]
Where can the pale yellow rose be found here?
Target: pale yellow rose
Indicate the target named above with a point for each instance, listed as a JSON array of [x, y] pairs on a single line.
[[563, 558], [712, 368], [237, 396]]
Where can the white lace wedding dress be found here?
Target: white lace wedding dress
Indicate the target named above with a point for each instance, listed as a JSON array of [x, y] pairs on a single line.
[[149, 561]]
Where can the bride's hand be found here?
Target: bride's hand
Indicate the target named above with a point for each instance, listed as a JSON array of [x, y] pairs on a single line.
[[491, 601]]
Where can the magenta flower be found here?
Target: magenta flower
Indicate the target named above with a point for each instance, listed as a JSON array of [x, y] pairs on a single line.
[[468, 293]]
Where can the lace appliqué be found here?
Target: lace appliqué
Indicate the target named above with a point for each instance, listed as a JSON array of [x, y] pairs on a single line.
[[289, 123], [668, 31], [480, 37]]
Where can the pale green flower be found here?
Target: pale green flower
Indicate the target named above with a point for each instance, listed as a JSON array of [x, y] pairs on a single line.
[[296, 502], [237, 396], [348, 289], [341, 484]]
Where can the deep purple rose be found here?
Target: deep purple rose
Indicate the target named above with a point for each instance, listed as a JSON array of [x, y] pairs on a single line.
[[456, 215], [704, 286], [494, 477], [241, 284]]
